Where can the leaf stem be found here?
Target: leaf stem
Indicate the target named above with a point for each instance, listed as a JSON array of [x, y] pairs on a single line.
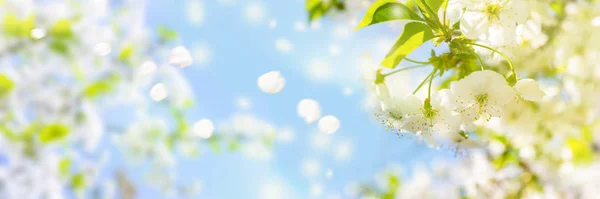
[[416, 62], [510, 64], [423, 82], [480, 61], [403, 69], [430, 82]]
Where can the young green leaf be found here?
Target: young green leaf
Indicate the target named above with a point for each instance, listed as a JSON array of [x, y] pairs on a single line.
[[62, 29], [53, 132], [581, 150], [6, 85], [12, 26], [97, 89], [413, 36], [387, 10], [78, 182]]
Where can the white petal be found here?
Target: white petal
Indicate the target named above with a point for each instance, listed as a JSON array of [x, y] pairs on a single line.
[[271, 82], [453, 12], [469, 144], [203, 128], [329, 124], [102, 49], [309, 110], [159, 92], [529, 89], [518, 11], [473, 24], [502, 34], [180, 56]]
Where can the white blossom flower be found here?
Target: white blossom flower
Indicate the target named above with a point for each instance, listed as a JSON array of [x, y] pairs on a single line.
[[180, 56], [482, 94], [271, 82], [396, 109], [436, 119], [495, 20]]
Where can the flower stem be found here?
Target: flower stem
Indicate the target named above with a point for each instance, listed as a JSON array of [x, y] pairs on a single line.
[[423, 82], [416, 62], [403, 69], [512, 68], [430, 82], [480, 62]]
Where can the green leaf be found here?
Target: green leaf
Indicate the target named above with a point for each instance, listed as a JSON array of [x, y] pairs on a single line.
[[126, 53], [97, 89], [62, 29], [429, 8], [581, 150], [234, 145], [436, 5], [12, 26], [59, 46], [64, 166], [413, 36], [53, 132], [78, 181], [6, 85], [213, 142], [387, 10], [166, 34], [318, 8]]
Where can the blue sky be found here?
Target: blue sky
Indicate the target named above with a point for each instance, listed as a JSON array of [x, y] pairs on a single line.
[[242, 51]]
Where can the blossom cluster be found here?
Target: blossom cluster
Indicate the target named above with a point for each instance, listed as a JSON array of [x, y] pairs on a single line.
[[519, 83]]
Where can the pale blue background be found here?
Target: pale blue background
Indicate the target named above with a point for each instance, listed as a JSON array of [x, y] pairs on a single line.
[[241, 52]]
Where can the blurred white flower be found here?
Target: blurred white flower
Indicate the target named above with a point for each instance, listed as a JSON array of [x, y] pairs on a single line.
[[272, 23], [310, 168], [274, 189], [300, 26], [38, 33], [202, 54], [243, 103], [255, 12], [148, 68], [286, 135], [203, 128], [329, 124], [180, 56], [159, 92], [343, 150], [316, 190], [102, 49], [284, 45], [334, 50], [195, 11], [309, 110], [319, 70], [257, 150], [271, 82]]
